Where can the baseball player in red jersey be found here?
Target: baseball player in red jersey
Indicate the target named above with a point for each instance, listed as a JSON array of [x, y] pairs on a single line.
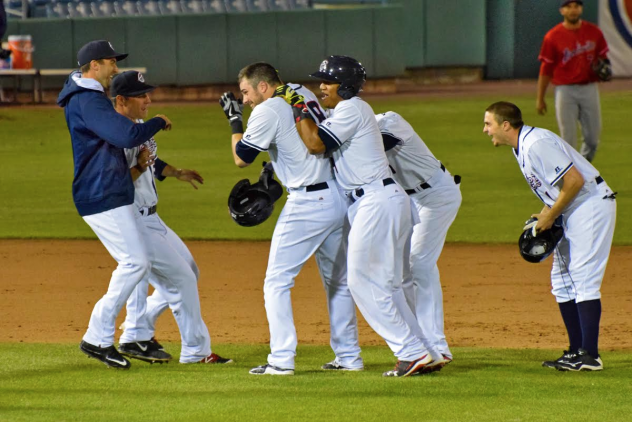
[[569, 52]]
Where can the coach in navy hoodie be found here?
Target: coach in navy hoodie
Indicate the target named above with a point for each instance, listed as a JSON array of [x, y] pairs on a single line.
[[102, 188], [102, 179]]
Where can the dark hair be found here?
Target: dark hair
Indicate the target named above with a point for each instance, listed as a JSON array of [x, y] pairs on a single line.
[[505, 111], [260, 72], [86, 67]]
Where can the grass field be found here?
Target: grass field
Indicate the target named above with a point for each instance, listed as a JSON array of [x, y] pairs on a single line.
[[57, 383], [37, 169]]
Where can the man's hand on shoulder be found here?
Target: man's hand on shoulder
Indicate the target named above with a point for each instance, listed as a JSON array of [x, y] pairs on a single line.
[[297, 101]]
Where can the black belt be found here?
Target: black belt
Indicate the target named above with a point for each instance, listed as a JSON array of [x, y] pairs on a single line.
[[317, 187], [360, 192], [425, 185], [148, 211], [599, 180]]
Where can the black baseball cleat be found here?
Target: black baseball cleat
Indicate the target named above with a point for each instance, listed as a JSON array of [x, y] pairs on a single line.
[[148, 351], [566, 355], [580, 361], [108, 355], [407, 368]]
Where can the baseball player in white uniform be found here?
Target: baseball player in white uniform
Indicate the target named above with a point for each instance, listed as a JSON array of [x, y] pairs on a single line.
[[174, 273], [311, 222], [570, 186], [380, 214], [435, 200]]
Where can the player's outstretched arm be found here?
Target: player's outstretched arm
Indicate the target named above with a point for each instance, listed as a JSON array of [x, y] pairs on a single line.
[[167, 121], [183, 175]]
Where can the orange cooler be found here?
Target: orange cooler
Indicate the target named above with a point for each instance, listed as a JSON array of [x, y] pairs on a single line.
[[21, 48]]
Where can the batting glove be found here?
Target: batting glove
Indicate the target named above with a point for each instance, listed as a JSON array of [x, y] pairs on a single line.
[[297, 101], [233, 109], [530, 224]]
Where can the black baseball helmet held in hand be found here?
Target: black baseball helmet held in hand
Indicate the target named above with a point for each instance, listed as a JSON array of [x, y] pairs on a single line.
[[250, 205], [537, 248], [344, 70]]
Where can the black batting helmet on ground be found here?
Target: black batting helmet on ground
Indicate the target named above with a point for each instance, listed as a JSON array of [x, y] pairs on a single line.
[[344, 70], [537, 248], [250, 205]]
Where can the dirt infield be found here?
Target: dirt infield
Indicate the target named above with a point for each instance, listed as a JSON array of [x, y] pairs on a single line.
[[492, 297]]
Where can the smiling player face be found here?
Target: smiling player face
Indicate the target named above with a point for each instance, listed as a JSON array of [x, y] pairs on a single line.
[[137, 107], [493, 129], [251, 95], [105, 71]]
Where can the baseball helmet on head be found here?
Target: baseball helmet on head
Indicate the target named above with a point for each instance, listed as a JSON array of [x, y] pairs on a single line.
[[250, 205], [344, 70], [536, 248]]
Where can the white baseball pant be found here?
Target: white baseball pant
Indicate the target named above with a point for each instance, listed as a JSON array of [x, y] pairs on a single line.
[[580, 259], [174, 275], [121, 232], [434, 209], [380, 226], [311, 222]]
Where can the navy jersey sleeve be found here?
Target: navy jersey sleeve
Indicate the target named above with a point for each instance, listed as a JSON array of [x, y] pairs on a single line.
[[101, 118]]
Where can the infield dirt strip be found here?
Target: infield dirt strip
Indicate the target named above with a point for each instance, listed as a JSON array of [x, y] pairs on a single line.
[[492, 297]]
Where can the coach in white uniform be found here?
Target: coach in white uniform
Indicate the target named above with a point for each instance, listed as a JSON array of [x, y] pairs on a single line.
[[570, 186], [435, 200], [174, 273], [312, 220], [380, 213]]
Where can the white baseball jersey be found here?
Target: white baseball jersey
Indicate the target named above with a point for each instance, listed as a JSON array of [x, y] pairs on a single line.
[[171, 261], [145, 194], [359, 158], [271, 128], [544, 159], [411, 161]]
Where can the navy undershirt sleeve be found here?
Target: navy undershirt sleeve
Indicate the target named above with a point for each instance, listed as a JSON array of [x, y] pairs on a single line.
[[329, 141], [159, 166], [246, 153]]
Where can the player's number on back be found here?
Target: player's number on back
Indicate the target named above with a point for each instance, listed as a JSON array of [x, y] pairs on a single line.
[[314, 107]]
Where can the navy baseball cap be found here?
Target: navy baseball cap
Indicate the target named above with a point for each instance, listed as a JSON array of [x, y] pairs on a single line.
[[97, 50], [565, 2], [130, 83]]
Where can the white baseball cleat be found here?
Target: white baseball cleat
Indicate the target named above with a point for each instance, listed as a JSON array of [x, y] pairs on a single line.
[[334, 365], [270, 370]]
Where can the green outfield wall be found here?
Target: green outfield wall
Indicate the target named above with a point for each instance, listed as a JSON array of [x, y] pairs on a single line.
[[211, 48], [501, 36]]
